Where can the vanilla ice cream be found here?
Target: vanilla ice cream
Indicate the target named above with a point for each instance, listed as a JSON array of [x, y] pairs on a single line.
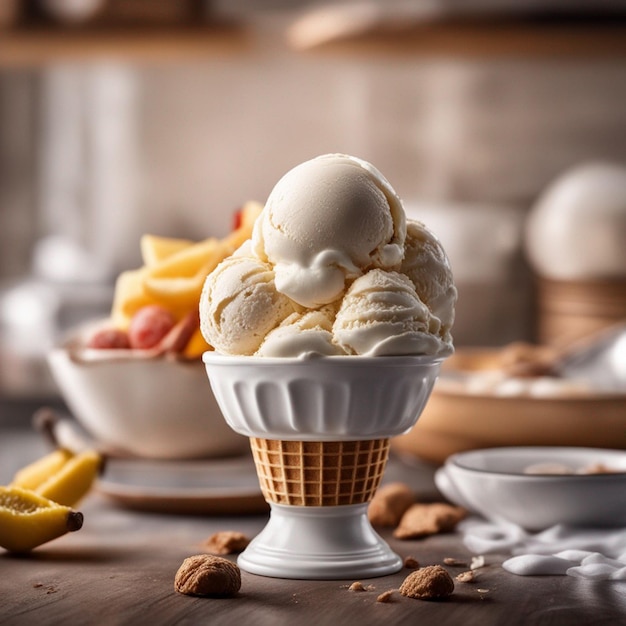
[[239, 305], [326, 221], [426, 264], [311, 331], [332, 268], [382, 314]]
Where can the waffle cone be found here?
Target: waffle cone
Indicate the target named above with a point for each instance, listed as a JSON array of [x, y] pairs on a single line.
[[319, 473]]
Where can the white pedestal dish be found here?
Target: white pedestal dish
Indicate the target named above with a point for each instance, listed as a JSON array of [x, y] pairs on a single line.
[[319, 428]]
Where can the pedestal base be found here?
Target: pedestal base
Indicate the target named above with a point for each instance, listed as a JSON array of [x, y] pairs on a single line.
[[319, 542]]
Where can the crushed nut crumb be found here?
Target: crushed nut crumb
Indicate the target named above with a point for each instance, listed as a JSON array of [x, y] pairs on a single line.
[[449, 560], [356, 586], [226, 542], [385, 596], [411, 562], [465, 577]]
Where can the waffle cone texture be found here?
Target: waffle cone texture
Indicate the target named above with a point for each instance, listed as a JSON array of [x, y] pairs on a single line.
[[319, 473]]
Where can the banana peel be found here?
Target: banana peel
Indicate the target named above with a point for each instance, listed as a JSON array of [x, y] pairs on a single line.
[[62, 476], [28, 520]]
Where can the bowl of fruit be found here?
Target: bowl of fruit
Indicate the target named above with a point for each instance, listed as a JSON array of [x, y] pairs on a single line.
[[135, 381]]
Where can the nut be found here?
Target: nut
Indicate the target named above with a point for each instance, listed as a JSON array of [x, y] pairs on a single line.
[[428, 583], [206, 575], [428, 519], [227, 542], [389, 504]]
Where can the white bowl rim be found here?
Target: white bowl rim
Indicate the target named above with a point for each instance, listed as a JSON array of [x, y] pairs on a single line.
[[212, 358], [101, 356], [460, 459]]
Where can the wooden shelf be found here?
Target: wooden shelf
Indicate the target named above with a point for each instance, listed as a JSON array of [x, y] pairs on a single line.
[[40, 45], [525, 38]]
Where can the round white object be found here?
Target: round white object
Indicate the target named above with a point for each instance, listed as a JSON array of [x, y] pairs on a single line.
[[494, 483], [577, 229]]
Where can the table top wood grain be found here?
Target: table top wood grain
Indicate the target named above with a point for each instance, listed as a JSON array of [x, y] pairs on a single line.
[[120, 567]]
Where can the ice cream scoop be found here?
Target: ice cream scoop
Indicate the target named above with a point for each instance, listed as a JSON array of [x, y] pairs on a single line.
[[381, 314], [332, 268], [426, 264], [328, 220], [239, 305]]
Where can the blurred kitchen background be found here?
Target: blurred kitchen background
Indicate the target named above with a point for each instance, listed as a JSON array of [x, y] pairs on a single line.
[[122, 117]]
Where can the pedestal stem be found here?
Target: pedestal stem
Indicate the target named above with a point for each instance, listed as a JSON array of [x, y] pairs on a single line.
[[319, 542]]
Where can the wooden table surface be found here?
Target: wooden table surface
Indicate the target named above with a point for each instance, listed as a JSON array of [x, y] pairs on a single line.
[[119, 569]]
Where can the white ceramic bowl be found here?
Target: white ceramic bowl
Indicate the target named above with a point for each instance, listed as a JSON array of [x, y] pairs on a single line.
[[321, 398], [495, 484], [148, 407]]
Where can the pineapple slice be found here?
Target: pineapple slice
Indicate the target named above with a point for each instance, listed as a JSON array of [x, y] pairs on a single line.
[[129, 297], [196, 346], [189, 261], [174, 272], [155, 249]]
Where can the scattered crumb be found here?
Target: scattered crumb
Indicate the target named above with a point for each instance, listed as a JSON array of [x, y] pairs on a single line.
[[449, 560], [389, 504], [37, 585], [411, 562], [370, 588], [385, 596], [428, 583], [356, 586], [482, 590], [465, 577], [226, 542], [421, 520], [477, 562]]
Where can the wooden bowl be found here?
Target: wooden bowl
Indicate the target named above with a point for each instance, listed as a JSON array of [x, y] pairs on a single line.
[[457, 419]]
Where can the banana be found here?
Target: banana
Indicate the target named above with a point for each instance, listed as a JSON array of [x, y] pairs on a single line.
[[31, 476], [28, 520], [74, 480], [61, 476]]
